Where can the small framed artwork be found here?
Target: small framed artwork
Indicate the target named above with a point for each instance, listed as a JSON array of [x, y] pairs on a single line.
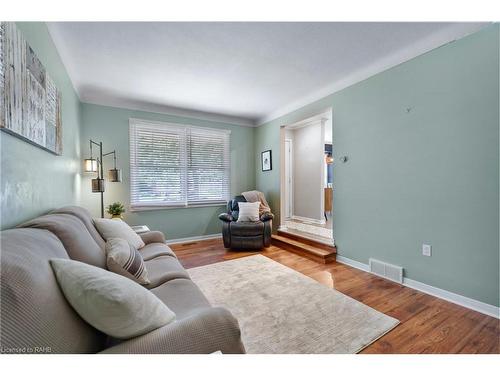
[[266, 159]]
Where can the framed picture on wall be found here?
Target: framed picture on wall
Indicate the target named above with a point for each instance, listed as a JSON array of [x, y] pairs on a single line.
[[266, 159]]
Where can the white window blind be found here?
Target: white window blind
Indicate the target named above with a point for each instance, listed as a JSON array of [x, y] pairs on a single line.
[[176, 165]]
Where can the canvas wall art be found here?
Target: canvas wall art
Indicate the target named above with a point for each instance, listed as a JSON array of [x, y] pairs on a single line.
[[30, 101]]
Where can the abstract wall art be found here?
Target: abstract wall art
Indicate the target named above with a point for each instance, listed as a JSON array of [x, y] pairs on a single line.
[[30, 101]]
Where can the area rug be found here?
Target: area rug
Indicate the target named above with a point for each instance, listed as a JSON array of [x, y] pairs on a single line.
[[283, 311]]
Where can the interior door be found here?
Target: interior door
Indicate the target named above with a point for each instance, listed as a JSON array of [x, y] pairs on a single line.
[[288, 179]]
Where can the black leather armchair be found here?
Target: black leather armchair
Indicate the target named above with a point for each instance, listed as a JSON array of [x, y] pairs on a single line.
[[245, 235]]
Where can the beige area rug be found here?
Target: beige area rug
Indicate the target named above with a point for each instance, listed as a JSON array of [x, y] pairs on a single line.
[[283, 311]]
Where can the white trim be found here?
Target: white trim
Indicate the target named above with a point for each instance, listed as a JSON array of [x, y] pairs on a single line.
[[193, 239], [135, 105], [282, 174], [453, 297], [436, 40], [321, 156], [311, 237], [308, 220], [322, 117], [173, 207], [458, 299], [353, 263], [289, 183]]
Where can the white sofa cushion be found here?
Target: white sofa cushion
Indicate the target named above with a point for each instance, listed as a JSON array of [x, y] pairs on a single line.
[[109, 302], [116, 228]]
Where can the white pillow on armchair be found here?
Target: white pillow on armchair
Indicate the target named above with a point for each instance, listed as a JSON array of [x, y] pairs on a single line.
[[248, 211]]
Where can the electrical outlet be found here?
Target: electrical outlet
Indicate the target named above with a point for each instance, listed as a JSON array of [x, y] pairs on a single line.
[[426, 250]]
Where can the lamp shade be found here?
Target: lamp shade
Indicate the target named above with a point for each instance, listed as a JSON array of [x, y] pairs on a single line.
[[115, 175], [97, 185], [90, 165]]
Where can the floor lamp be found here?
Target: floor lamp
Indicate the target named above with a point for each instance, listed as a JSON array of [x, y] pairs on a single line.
[[95, 165]]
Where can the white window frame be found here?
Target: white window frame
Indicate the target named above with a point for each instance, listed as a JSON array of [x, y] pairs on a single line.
[[156, 206]]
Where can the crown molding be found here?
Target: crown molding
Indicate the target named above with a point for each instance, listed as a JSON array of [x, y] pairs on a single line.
[[136, 105], [436, 40]]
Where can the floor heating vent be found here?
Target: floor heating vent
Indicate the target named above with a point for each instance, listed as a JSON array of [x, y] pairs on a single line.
[[386, 270]]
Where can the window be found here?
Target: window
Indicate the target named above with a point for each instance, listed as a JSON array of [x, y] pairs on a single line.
[[173, 165]]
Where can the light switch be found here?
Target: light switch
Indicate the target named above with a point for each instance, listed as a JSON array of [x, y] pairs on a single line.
[[426, 250]]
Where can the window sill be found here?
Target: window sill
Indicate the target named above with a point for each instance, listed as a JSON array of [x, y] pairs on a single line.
[[156, 208]]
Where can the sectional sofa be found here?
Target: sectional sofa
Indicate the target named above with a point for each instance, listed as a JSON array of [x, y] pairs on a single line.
[[36, 318]]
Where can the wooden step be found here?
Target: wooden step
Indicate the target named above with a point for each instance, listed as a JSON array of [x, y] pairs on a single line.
[[308, 239], [301, 248]]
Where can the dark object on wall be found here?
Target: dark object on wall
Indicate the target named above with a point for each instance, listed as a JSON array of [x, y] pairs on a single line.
[[329, 164], [94, 165], [266, 159], [30, 103], [245, 235]]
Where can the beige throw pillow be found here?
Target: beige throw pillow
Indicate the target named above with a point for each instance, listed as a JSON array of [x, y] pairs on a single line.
[[248, 211], [116, 228], [109, 302], [124, 259]]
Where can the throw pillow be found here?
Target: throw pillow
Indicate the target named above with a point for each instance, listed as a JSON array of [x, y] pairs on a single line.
[[248, 211], [109, 302], [124, 259], [116, 228]]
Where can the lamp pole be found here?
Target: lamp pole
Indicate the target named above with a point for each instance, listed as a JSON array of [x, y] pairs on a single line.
[[98, 183], [102, 177]]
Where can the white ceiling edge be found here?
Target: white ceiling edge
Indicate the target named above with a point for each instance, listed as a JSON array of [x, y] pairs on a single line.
[[436, 40], [135, 105], [450, 34]]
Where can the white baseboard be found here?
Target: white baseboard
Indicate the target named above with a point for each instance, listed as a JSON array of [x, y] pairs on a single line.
[[193, 239], [308, 220], [433, 291], [352, 263]]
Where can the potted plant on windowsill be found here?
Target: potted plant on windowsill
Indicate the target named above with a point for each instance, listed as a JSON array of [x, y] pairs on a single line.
[[116, 210]]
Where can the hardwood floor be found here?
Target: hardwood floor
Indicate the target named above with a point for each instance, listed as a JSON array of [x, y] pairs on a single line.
[[428, 324]]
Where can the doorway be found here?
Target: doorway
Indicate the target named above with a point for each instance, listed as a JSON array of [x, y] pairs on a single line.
[[307, 178]]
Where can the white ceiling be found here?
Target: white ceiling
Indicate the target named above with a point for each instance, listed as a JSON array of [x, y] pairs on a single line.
[[251, 72]]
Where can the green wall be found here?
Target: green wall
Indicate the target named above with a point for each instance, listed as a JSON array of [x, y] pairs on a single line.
[[34, 181], [430, 175], [111, 126]]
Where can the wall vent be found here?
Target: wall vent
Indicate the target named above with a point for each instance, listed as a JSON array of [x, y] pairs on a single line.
[[386, 270]]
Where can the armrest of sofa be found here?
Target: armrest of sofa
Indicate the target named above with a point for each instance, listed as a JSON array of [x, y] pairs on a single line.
[[153, 236], [226, 217], [207, 331], [266, 216]]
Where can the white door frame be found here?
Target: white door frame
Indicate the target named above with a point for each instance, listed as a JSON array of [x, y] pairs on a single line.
[[288, 179], [282, 177], [282, 161]]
